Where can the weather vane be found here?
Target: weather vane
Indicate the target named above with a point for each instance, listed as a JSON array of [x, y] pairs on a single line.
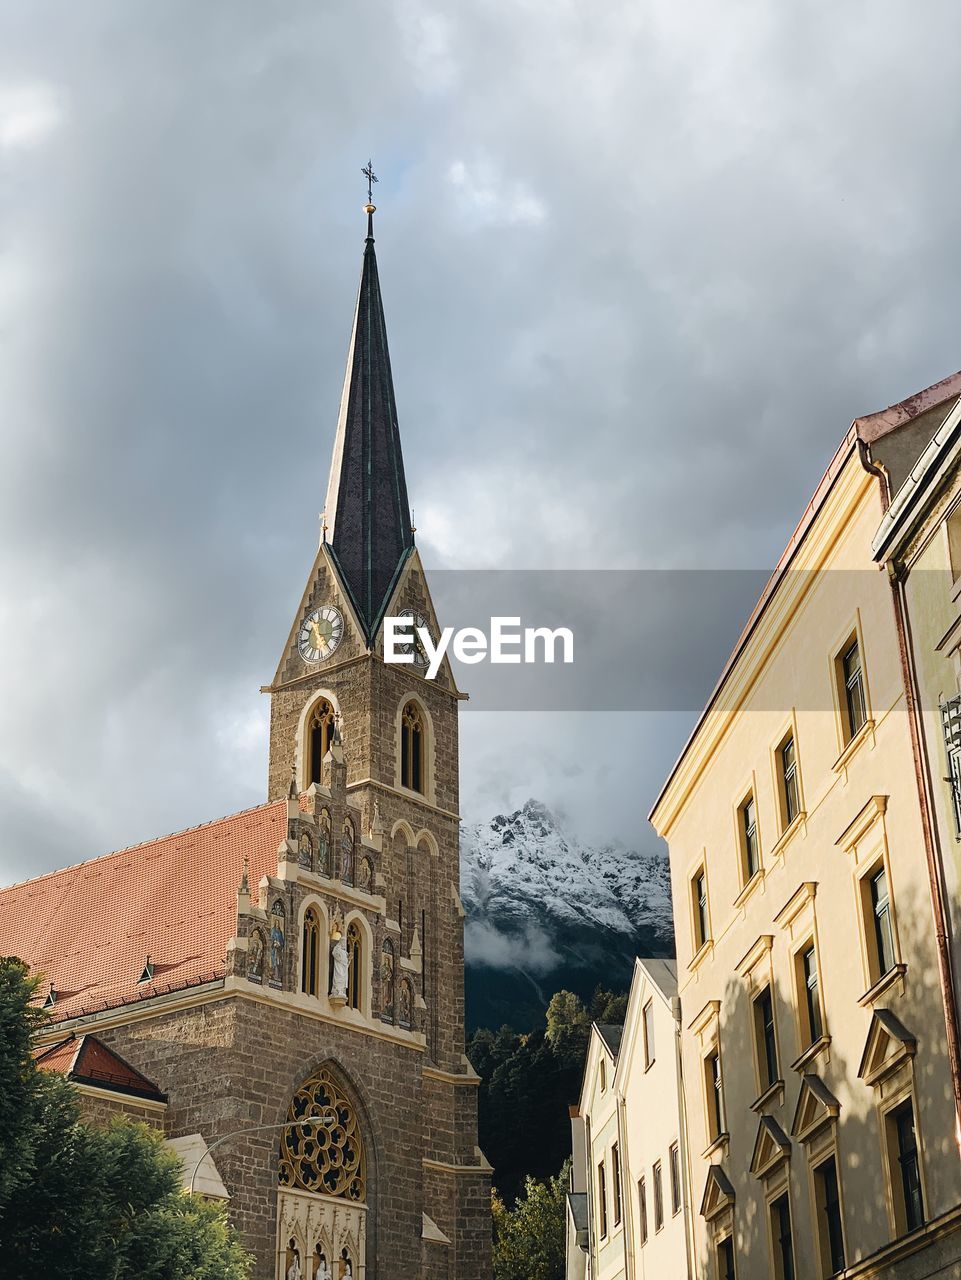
[[371, 177]]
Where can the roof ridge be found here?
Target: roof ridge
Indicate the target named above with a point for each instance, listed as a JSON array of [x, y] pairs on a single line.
[[114, 853]]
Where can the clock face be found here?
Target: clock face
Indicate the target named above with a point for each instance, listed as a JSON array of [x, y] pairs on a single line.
[[320, 633], [415, 647]]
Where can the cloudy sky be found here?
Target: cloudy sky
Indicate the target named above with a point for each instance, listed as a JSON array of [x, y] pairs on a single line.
[[642, 262]]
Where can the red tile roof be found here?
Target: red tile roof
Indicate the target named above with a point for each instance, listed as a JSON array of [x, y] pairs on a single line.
[[88, 1060], [89, 928]]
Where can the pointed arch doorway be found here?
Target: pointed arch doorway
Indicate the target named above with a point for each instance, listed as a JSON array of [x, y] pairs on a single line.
[[322, 1191]]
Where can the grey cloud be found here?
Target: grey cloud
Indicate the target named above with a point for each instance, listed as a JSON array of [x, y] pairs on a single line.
[[642, 265]]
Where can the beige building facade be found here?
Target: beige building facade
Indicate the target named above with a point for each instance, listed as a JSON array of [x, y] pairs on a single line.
[[820, 1099], [629, 1212]]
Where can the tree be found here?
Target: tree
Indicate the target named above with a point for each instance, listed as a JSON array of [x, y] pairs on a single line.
[[529, 1239], [77, 1201]]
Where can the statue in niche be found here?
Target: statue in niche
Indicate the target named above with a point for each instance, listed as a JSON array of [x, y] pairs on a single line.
[[365, 879], [255, 956], [347, 853], [387, 979], [323, 844], [341, 968], [321, 1270], [346, 1267], [293, 1271], [406, 1016], [277, 939]]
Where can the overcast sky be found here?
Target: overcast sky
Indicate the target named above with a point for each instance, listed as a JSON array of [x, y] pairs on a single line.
[[643, 263]]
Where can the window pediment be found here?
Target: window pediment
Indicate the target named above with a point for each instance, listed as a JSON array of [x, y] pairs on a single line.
[[816, 1107], [718, 1193], [772, 1147], [889, 1045]]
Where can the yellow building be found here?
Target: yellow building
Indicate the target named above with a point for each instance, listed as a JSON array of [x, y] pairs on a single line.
[[821, 1111]]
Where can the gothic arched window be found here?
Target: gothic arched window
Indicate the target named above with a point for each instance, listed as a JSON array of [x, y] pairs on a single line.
[[347, 852], [320, 733], [387, 981], [412, 748], [355, 953], [310, 952]]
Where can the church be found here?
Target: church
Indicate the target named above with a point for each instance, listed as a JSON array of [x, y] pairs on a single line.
[[281, 991]]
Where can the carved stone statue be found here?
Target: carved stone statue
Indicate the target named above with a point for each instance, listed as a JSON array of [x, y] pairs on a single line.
[[341, 959], [323, 1271], [294, 1271]]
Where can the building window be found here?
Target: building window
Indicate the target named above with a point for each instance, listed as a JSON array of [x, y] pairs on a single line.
[[320, 734], [905, 1167], [715, 1095], [675, 1159], [412, 748], [725, 1259], [880, 933], [355, 955], [616, 1182], [642, 1208], [812, 1028], [781, 1235], [658, 1197], [603, 1075], [648, 1021], [790, 786], [601, 1200], [951, 728], [852, 679], [765, 1039], [750, 848], [830, 1229], [702, 927], [310, 952]]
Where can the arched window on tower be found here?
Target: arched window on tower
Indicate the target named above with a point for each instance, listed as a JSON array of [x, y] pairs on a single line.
[[355, 955], [310, 953], [320, 733], [412, 748]]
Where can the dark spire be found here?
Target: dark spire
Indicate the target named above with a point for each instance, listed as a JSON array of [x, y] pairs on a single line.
[[367, 515]]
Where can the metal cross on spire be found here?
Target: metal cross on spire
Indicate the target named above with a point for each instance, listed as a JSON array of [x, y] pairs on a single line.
[[371, 177]]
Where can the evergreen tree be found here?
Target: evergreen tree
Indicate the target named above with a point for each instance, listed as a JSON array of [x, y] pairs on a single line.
[[529, 1239], [528, 1082], [77, 1202]]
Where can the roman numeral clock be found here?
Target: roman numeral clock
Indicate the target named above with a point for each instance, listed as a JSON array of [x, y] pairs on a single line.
[[320, 633]]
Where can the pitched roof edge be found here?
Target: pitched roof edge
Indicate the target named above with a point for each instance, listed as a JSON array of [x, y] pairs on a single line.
[[143, 844]]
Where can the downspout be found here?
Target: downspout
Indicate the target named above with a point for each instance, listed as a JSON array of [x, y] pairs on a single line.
[[682, 1140], [932, 843]]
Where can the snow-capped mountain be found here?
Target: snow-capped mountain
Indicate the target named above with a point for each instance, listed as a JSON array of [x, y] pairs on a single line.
[[545, 911]]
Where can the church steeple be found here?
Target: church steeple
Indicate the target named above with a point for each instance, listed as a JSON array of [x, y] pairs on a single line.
[[367, 515]]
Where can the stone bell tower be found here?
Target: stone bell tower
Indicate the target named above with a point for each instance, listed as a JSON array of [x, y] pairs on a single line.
[[334, 698]]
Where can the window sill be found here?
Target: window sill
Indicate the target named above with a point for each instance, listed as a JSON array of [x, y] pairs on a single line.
[[866, 731], [720, 1144], [699, 956], [748, 890], [798, 824], [810, 1053], [774, 1093], [893, 977]]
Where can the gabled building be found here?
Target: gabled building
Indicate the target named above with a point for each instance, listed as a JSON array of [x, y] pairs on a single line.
[[291, 977], [818, 1037], [629, 1207]]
